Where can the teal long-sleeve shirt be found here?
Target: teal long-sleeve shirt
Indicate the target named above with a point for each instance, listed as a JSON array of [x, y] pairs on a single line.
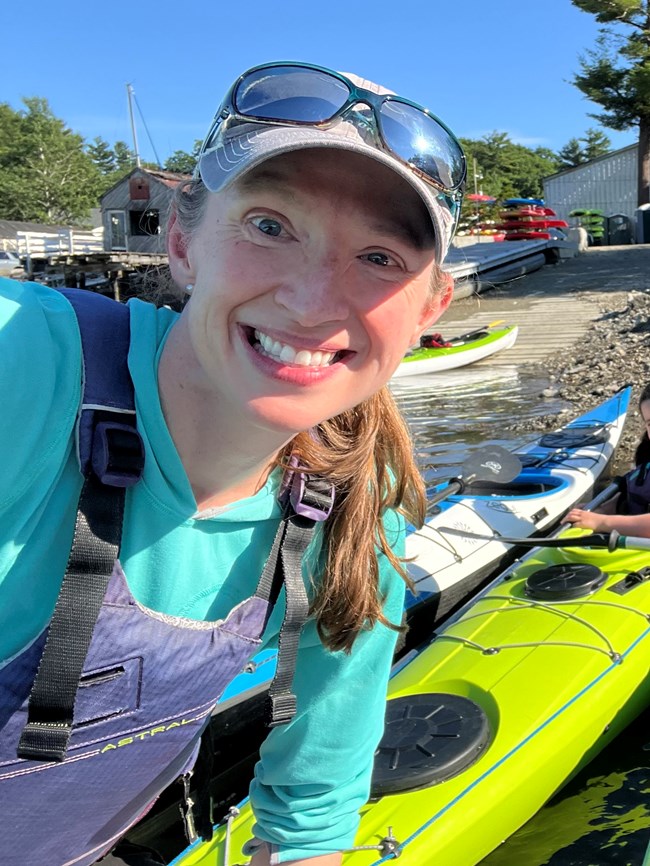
[[313, 774]]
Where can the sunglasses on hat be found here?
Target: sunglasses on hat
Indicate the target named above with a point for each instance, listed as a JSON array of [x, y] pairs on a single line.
[[302, 94]]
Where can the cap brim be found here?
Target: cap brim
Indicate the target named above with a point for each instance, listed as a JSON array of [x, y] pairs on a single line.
[[236, 155]]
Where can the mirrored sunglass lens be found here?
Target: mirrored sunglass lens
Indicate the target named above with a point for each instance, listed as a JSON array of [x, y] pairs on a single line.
[[421, 141], [289, 93]]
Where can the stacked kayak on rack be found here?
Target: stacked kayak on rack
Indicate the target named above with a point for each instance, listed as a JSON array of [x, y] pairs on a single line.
[[530, 219], [592, 220], [512, 697], [457, 351]]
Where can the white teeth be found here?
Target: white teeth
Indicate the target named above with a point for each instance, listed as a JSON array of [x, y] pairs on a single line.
[[287, 354], [290, 355]]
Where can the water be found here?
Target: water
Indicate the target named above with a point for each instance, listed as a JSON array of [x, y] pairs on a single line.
[[602, 817], [452, 414]]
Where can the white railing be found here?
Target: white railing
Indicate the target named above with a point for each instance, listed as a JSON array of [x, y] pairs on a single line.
[[53, 243]]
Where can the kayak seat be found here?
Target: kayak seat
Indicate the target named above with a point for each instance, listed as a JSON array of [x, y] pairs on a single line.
[[564, 582], [509, 488], [428, 738]]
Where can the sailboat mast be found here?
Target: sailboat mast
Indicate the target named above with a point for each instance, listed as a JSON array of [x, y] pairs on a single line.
[[129, 90]]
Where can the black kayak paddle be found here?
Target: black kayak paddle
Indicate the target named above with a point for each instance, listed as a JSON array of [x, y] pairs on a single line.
[[493, 463]]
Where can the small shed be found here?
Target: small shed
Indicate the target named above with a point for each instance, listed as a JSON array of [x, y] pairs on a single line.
[[608, 183], [135, 209]]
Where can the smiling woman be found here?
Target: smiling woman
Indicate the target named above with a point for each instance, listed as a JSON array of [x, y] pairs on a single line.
[[309, 246]]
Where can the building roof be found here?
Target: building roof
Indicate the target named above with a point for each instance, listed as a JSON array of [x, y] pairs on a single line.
[[605, 156], [9, 228], [170, 179]]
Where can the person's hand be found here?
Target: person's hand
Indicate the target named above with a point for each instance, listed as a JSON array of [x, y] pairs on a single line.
[[587, 520]]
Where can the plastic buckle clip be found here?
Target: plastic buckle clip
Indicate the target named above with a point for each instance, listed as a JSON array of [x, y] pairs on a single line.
[[117, 454], [311, 497]]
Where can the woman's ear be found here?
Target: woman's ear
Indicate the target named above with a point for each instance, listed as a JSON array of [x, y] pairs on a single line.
[[178, 252], [435, 306]]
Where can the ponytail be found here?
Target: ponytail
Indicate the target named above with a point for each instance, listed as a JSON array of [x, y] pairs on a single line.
[[366, 452]]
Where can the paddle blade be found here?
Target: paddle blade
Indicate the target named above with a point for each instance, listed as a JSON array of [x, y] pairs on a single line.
[[477, 331], [493, 463]]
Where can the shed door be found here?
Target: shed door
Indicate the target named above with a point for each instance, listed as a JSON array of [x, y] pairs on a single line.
[[118, 229]]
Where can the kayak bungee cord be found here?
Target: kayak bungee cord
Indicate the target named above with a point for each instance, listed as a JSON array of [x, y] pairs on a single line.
[[550, 607]]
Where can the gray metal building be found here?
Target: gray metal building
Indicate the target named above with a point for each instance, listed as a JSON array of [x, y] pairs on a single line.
[[608, 183]]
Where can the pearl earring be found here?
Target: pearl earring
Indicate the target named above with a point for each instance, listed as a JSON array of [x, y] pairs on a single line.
[[189, 287]]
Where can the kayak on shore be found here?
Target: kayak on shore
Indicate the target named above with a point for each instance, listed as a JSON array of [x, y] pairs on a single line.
[[457, 351]]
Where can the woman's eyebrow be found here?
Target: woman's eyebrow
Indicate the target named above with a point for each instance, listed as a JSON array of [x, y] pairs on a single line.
[[404, 230]]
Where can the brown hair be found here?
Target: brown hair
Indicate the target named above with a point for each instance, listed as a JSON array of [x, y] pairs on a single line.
[[367, 454]]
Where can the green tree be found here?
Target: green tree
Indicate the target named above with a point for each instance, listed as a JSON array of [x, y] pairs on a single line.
[[182, 161], [616, 73], [124, 158], [13, 198], [596, 143], [571, 154], [508, 169], [45, 173], [102, 155]]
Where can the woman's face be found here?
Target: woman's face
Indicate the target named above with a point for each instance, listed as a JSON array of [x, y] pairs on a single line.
[[311, 280]]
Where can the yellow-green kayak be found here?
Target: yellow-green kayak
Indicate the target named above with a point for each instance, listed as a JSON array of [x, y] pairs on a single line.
[[508, 701]]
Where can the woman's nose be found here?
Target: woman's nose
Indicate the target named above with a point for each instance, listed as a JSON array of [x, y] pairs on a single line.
[[315, 296]]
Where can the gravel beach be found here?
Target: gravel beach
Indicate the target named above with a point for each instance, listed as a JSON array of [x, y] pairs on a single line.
[[615, 348]]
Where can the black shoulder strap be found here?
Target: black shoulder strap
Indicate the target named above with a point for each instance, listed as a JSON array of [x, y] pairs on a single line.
[[309, 501], [111, 458]]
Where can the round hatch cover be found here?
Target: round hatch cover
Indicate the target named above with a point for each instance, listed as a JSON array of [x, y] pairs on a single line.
[[564, 582], [428, 738]]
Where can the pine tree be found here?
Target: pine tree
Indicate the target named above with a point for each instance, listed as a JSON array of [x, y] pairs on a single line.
[[616, 73], [596, 143], [572, 153], [124, 157], [101, 154]]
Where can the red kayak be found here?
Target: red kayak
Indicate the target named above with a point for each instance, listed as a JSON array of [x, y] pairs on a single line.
[[531, 223], [528, 236]]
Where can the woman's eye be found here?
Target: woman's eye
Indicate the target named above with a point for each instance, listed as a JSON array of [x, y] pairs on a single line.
[[268, 226], [378, 259]]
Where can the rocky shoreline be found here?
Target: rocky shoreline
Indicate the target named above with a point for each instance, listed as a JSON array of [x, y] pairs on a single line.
[[614, 352]]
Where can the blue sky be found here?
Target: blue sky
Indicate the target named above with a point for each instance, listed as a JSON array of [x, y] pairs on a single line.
[[481, 66]]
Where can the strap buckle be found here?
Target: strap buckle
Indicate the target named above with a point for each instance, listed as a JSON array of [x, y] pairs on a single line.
[[117, 454], [311, 497]]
